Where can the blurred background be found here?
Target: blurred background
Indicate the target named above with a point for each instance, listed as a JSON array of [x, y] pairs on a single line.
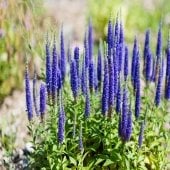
[[23, 27]]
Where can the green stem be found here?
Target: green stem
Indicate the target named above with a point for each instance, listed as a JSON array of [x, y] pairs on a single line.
[[75, 119], [123, 165]]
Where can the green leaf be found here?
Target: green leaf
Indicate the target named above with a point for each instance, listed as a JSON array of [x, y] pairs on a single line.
[[85, 168], [141, 158], [127, 164], [99, 161], [54, 148], [72, 161], [84, 156], [108, 162]]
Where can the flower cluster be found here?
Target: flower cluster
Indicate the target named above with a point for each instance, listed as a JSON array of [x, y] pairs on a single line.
[[106, 76]]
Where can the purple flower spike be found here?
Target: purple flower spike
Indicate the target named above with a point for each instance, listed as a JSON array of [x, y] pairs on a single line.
[[91, 76], [126, 64], [28, 95], [74, 79], [121, 34], [153, 70], [109, 37], [116, 43], [148, 67], [86, 51], [111, 87], [137, 102], [168, 59], [87, 106], [167, 80], [137, 87], [137, 72], [42, 100], [54, 74], [120, 51], [158, 88], [115, 62], [105, 93], [140, 139], [116, 28], [159, 43], [124, 113], [84, 78], [61, 123], [146, 47], [118, 98], [90, 40], [48, 69], [81, 139], [59, 80], [99, 67], [62, 57], [147, 43], [158, 52], [167, 89], [134, 55], [121, 46], [129, 125], [76, 58], [35, 93], [95, 80], [163, 63], [113, 39]]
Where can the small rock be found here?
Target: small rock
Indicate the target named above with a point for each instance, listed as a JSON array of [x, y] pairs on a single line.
[[28, 148]]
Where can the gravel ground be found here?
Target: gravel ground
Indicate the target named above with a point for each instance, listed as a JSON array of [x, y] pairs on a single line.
[[13, 123], [13, 116]]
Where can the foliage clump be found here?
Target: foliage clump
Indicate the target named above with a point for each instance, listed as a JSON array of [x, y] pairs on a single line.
[[102, 112]]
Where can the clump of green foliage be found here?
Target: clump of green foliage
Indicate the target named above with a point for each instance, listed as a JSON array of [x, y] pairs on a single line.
[[102, 147], [66, 138]]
